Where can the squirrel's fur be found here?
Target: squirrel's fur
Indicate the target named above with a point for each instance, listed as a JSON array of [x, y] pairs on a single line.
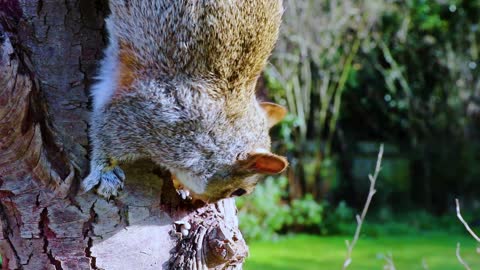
[[177, 85]]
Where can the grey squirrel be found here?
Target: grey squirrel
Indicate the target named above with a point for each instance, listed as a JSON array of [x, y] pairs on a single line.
[[177, 85]]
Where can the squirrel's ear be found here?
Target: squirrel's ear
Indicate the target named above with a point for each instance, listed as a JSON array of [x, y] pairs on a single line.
[[265, 163], [275, 113]]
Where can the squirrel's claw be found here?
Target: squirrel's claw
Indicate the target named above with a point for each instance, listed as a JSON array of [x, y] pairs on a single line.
[[109, 182], [184, 193], [90, 181]]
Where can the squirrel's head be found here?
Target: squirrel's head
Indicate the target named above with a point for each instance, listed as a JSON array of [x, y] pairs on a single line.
[[216, 143], [241, 159]]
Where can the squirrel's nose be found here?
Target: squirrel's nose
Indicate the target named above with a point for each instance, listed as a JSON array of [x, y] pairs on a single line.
[[198, 199]]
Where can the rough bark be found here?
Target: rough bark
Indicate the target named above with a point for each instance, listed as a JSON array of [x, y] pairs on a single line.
[[48, 53]]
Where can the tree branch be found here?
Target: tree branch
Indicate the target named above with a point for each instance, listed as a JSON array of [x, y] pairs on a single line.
[[389, 262], [472, 233], [361, 218], [424, 264], [459, 216], [459, 257]]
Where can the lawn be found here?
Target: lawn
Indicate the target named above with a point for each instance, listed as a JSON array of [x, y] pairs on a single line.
[[303, 252]]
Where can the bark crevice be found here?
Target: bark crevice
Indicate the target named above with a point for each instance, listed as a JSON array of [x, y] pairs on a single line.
[[46, 233], [88, 254], [6, 232]]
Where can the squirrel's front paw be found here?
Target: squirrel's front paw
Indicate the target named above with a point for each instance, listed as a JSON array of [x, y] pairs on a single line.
[[109, 182], [184, 193]]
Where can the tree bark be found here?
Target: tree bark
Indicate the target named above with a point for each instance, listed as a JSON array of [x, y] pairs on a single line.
[[48, 55]]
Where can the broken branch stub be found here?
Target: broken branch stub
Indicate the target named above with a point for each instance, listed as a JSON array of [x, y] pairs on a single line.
[[213, 242]]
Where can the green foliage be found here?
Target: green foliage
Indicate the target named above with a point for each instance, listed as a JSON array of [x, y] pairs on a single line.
[[311, 66], [417, 71], [338, 220], [405, 72], [414, 83], [264, 213], [402, 72], [426, 14], [306, 212], [285, 131], [384, 222]]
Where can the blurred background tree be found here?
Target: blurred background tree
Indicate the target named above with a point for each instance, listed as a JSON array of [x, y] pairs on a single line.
[[354, 74]]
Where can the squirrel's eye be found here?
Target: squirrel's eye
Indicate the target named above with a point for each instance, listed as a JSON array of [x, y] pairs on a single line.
[[239, 192]]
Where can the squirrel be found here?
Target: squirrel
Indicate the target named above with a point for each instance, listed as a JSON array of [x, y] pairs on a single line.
[[177, 86]]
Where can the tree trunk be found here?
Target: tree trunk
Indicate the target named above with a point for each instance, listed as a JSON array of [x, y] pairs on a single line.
[[48, 54]]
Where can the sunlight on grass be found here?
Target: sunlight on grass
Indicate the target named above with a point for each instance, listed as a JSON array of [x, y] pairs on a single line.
[[304, 252]]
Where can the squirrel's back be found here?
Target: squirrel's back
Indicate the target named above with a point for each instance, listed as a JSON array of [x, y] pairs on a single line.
[[228, 40], [177, 85]]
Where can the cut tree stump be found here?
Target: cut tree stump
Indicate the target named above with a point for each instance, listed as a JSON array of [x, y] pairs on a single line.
[[48, 55]]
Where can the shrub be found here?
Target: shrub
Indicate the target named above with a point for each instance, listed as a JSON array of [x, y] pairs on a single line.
[[264, 213], [306, 213], [338, 220]]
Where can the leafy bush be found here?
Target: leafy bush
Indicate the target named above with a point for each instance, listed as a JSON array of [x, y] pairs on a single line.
[[264, 214], [416, 84], [338, 220], [306, 212], [384, 222], [405, 72]]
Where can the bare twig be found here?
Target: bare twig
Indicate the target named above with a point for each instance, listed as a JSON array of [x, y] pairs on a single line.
[[472, 233], [424, 264], [459, 257], [361, 218], [389, 260], [459, 215]]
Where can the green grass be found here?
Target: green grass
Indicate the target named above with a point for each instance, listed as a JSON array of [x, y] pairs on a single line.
[[303, 252]]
